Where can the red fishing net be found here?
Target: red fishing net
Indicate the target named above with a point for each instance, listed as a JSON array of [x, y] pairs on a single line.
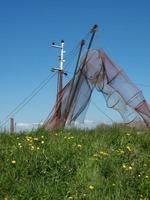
[[98, 71]]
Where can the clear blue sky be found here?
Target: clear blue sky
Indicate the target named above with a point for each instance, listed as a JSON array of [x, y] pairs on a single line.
[[28, 27]]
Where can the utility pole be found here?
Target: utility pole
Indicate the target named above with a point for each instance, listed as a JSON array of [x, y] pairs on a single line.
[[61, 72], [60, 69], [12, 125]]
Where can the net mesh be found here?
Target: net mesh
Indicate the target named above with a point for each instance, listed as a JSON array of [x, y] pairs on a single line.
[[98, 71]]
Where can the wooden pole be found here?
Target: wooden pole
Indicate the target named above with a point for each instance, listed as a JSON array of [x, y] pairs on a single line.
[[12, 125]]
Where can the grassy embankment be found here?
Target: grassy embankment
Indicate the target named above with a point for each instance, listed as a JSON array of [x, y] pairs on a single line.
[[109, 163]]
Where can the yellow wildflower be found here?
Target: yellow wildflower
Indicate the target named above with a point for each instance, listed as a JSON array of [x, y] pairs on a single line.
[[130, 168], [42, 136], [103, 153], [38, 148], [146, 176], [124, 166], [70, 198], [129, 148], [91, 187], [42, 142], [35, 139], [120, 151], [79, 145], [95, 155], [13, 161]]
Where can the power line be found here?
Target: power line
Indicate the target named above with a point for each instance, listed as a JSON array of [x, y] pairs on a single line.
[[23, 103], [26, 100]]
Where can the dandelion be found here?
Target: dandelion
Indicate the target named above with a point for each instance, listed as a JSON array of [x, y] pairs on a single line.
[[139, 175], [42, 142], [128, 134], [95, 155], [130, 168], [42, 136], [35, 139], [38, 148], [124, 166], [121, 152], [91, 187], [103, 153], [129, 148], [13, 161]]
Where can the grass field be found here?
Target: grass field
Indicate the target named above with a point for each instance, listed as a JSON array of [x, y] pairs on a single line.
[[108, 163]]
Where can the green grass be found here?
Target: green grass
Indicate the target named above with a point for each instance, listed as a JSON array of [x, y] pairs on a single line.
[[108, 163]]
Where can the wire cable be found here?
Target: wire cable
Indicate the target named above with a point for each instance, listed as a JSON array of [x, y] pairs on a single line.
[[23, 103]]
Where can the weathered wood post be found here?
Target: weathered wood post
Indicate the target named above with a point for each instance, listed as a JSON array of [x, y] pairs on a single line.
[[12, 125]]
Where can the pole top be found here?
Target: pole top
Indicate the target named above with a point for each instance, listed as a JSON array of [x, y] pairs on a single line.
[[94, 29], [82, 42]]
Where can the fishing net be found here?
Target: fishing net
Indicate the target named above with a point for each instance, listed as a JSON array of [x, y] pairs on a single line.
[[98, 71]]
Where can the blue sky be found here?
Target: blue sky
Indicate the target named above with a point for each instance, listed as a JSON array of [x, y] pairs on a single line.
[[28, 27]]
